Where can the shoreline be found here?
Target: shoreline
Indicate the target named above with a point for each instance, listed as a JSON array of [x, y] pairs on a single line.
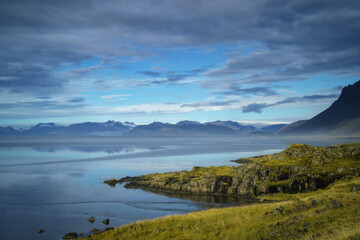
[[319, 200]]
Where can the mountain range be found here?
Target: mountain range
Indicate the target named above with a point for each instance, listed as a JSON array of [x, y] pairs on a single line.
[[114, 128], [342, 118]]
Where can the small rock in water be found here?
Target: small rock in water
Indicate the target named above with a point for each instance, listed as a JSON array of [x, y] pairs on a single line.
[[91, 219], [41, 231], [71, 235], [111, 182], [106, 221]]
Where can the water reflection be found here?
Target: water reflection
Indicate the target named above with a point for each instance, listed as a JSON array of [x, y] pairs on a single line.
[[205, 198], [57, 184]]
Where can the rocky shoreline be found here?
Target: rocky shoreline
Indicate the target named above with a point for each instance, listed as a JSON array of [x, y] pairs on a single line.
[[299, 168]]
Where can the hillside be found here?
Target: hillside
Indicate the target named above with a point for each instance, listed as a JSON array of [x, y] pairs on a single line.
[[341, 118], [333, 213]]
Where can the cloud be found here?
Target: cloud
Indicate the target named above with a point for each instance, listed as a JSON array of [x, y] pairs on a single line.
[[77, 100], [209, 104], [280, 41], [259, 107], [171, 77], [254, 107], [150, 73], [263, 91], [115, 96], [38, 109]]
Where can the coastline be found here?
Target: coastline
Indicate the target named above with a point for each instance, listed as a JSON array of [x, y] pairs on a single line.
[[308, 213]]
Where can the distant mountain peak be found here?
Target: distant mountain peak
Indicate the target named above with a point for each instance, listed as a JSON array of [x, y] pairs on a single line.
[[187, 122], [45, 125]]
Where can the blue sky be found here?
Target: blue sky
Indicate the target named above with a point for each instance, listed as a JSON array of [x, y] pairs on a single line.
[[263, 61]]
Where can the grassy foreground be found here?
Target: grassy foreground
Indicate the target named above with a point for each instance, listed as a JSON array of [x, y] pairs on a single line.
[[330, 213]]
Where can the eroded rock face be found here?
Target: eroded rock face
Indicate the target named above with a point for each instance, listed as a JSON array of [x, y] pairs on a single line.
[[299, 168]]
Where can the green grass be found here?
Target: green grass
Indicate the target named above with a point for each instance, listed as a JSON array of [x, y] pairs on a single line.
[[253, 221]]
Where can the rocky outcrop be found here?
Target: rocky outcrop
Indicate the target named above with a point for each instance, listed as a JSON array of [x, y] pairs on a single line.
[[299, 168]]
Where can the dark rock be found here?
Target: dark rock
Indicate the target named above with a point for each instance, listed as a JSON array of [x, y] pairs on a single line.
[[286, 235], [106, 221], [315, 236], [95, 231], [71, 235], [301, 207], [314, 203], [306, 227], [289, 223], [334, 204], [91, 219], [108, 229], [278, 210], [111, 182], [41, 231], [355, 188]]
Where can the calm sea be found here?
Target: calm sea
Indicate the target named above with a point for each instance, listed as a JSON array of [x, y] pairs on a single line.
[[56, 184]]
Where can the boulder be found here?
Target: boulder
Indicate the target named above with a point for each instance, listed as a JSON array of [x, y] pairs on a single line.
[[91, 219]]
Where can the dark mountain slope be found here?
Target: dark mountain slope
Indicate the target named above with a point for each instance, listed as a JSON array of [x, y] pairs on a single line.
[[341, 118]]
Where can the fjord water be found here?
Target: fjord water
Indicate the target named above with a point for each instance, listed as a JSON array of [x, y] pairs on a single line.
[[56, 184]]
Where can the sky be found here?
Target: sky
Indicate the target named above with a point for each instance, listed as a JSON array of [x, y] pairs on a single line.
[[202, 60]]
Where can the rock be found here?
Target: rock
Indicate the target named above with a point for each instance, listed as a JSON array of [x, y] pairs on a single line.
[[108, 229], [278, 210], [334, 204], [306, 227], [314, 203], [355, 188], [264, 174], [71, 235], [106, 221], [95, 231], [111, 182], [41, 231], [91, 219], [301, 207]]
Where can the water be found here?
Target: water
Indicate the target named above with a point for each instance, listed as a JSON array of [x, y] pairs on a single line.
[[57, 183]]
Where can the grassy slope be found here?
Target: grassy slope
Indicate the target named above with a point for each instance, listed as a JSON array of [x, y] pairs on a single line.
[[252, 222], [300, 220]]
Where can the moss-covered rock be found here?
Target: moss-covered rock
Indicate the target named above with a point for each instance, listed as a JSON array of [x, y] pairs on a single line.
[[299, 168]]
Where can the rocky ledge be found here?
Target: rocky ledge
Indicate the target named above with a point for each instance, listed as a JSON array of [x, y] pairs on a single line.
[[299, 168]]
